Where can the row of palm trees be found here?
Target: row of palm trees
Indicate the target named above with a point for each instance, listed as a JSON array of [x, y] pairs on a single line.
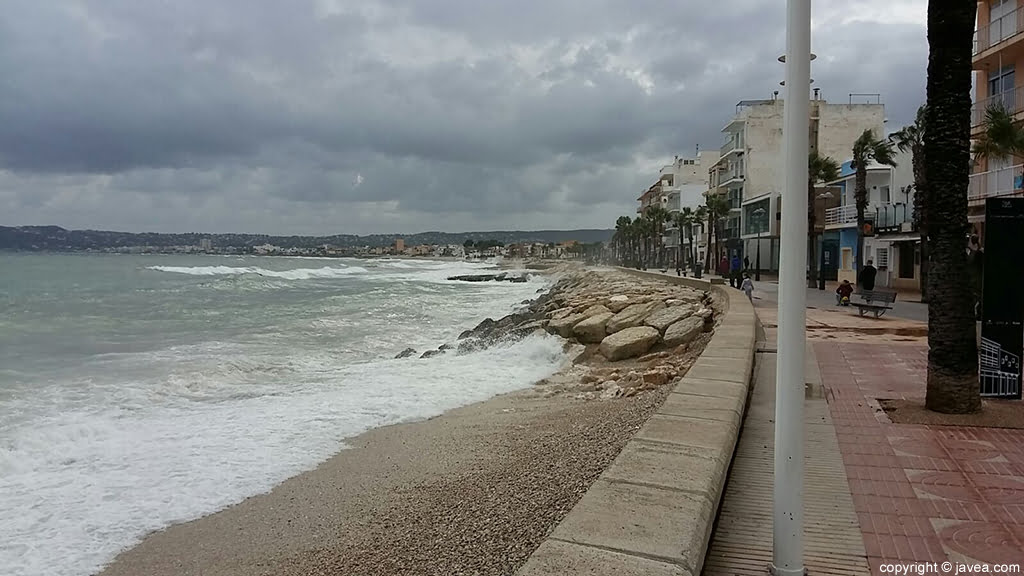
[[638, 242]]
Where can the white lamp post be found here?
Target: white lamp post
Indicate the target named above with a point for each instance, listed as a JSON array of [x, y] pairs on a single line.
[[788, 526]]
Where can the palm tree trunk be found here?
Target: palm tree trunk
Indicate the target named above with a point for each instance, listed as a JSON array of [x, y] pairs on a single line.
[[952, 348]]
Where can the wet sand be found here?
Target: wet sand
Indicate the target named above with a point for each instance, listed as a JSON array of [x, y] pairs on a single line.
[[473, 491]]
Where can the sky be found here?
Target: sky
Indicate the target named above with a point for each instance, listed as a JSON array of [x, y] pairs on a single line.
[[380, 116]]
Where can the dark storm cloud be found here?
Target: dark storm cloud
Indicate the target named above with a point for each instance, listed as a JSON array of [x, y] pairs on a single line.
[[331, 115]]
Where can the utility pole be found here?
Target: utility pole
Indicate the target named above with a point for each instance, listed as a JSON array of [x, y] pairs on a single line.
[[788, 525]]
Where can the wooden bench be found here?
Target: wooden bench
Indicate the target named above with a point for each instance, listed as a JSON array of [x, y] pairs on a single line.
[[876, 301]]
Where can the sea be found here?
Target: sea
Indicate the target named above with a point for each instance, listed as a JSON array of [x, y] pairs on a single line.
[[140, 391]]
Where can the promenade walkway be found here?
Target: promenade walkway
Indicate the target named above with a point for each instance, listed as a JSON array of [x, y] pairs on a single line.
[[914, 493]]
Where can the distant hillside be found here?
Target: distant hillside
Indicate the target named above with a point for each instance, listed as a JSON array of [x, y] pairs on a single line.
[[55, 238]]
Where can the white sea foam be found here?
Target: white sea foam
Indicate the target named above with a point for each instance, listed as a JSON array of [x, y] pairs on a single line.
[[126, 441], [293, 274]]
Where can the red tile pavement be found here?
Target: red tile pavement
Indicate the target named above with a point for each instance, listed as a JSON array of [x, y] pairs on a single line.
[[922, 493]]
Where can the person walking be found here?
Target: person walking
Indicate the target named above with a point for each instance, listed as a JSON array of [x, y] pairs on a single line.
[[734, 276], [867, 276], [746, 262], [748, 287]]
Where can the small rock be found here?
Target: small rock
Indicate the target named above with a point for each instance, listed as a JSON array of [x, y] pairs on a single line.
[[406, 353], [431, 353]]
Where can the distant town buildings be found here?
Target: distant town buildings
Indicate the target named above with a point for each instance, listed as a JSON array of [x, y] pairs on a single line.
[[206, 245]]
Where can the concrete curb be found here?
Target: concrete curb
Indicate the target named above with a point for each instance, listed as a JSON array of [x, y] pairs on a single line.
[[652, 511]]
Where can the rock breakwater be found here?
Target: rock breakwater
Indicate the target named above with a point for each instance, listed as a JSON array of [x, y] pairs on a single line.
[[625, 334]]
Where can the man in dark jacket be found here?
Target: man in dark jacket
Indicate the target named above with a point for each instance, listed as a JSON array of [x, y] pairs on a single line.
[[867, 276]]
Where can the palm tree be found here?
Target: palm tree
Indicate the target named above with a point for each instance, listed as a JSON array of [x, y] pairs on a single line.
[[819, 169], [683, 219], [717, 207], [910, 138], [657, 216], [699, 217], [621, 237], [866, 149], [952, 347], [1001, 135]]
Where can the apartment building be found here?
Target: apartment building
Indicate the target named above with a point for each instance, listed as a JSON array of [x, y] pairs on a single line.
[[998, 62], [894, 244], [749, 171]]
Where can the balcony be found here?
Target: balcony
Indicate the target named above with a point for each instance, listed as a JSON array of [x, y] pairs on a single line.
[[672, 205], [732, 144], [841, 215], [997, 32], [1001, 182], [891, 218], [1012, 100]]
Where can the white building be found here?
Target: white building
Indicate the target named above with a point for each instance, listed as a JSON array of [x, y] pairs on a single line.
[[894, 247], [680, 184], [749, 172]]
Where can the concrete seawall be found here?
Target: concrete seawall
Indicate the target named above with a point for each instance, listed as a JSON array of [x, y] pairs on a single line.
[[652, 511]]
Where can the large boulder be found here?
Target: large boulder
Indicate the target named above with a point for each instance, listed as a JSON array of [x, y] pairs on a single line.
[[618, 303], [662, 319], [591, 330], [629, 342], [563, 326], [684, 331], [632, 316]]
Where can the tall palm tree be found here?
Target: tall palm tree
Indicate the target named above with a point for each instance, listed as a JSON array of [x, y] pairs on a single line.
[[717, 207], [621, 236], [867, 149], [683, 221], [819, 169], [657, 216], [952, 347], [910, 138], [699, 217]]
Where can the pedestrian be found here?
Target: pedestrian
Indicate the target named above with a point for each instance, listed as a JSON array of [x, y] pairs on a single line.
[[734, 277], [867, 276], [748, 287], [746, 262], [843, 293], [723, 266]]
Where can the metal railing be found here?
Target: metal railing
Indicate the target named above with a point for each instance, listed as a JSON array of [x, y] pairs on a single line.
[[672, 204], [841, 215], [734, 142], [1001, 182], [1000, 30], [1012, 100], [891, 215]]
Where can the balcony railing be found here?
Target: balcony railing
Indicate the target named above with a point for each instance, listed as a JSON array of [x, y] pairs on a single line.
[[1001, 182], [841, 215], [893, 215], [1012, 100], [998, 31], [734, 142], [672, 204]]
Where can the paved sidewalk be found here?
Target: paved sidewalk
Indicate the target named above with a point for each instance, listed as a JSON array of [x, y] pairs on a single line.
[[742, 541], [922, 493]]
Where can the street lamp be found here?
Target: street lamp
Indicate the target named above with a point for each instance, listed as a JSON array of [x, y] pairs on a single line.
[[759, 215], [788, 492], [821, 257]]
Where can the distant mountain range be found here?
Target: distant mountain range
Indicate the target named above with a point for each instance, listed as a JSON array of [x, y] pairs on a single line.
[[57, 239]]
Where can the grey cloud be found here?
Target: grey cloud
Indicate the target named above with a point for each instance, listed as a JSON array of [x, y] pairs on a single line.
[[257, 116]]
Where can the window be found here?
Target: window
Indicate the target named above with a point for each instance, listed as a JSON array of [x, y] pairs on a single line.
[[882, 258], [883, 194], [1000, 83]]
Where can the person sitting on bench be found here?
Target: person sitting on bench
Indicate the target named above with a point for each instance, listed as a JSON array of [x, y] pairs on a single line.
[[843, 293]]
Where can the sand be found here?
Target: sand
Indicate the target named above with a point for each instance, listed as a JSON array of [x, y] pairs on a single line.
[[473, 491]]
